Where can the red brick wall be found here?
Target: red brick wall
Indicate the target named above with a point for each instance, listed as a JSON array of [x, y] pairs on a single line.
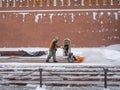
[[90, 25]]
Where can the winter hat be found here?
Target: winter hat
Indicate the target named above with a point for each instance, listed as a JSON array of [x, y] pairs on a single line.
[[56, 38]]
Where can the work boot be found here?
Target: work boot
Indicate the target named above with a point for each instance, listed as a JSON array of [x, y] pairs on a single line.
[[47, 61], [55, 61]]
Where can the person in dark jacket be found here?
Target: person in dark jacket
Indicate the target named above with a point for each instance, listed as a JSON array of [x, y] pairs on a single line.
[[71, 58], [52, 49], [66, 49]]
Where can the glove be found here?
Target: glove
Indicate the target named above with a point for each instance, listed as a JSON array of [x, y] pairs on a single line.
[[61, 47]]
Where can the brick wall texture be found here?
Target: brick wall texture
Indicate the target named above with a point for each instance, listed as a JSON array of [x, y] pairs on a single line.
[[34, 23]]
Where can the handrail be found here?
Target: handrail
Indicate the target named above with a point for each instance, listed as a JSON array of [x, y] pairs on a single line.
[[41, 77]]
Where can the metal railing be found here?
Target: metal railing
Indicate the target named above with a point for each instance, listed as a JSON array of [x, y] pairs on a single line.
[[41, 70]]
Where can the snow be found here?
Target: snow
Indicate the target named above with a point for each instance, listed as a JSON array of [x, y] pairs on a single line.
[[114, 47], [40, 88], [109, 55], [72, 16], [106, 89], [101, 13], [109, 13], [37, 17], [24, 14], [51, 17], [94, 15], [97, 56], [61, 10], [116, 15]]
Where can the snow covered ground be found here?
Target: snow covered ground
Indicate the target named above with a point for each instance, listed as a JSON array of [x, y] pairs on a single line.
[[108, 56], [100, 55]]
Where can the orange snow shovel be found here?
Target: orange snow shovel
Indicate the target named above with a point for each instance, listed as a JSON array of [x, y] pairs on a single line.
[[80, 59]]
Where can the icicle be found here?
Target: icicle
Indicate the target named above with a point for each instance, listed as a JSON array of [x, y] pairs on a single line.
[[87, 13], [116, 15], [72, 17], [59, 14], [51, 17], [101, 13], [94, 15], [37, 17], [109, 13], [65, 19], [16, 14], [24, 14]]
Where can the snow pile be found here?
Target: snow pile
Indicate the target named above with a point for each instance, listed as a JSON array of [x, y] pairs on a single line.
[[40, 88], [111, 54], [106, 89], [114, 47], [102, 55]]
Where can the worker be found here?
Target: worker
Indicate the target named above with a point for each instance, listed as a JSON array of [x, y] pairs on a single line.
[[71, 58], [52, 49]]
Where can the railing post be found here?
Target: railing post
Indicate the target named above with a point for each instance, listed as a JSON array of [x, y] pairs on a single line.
[[40, 71], [105, 77]]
